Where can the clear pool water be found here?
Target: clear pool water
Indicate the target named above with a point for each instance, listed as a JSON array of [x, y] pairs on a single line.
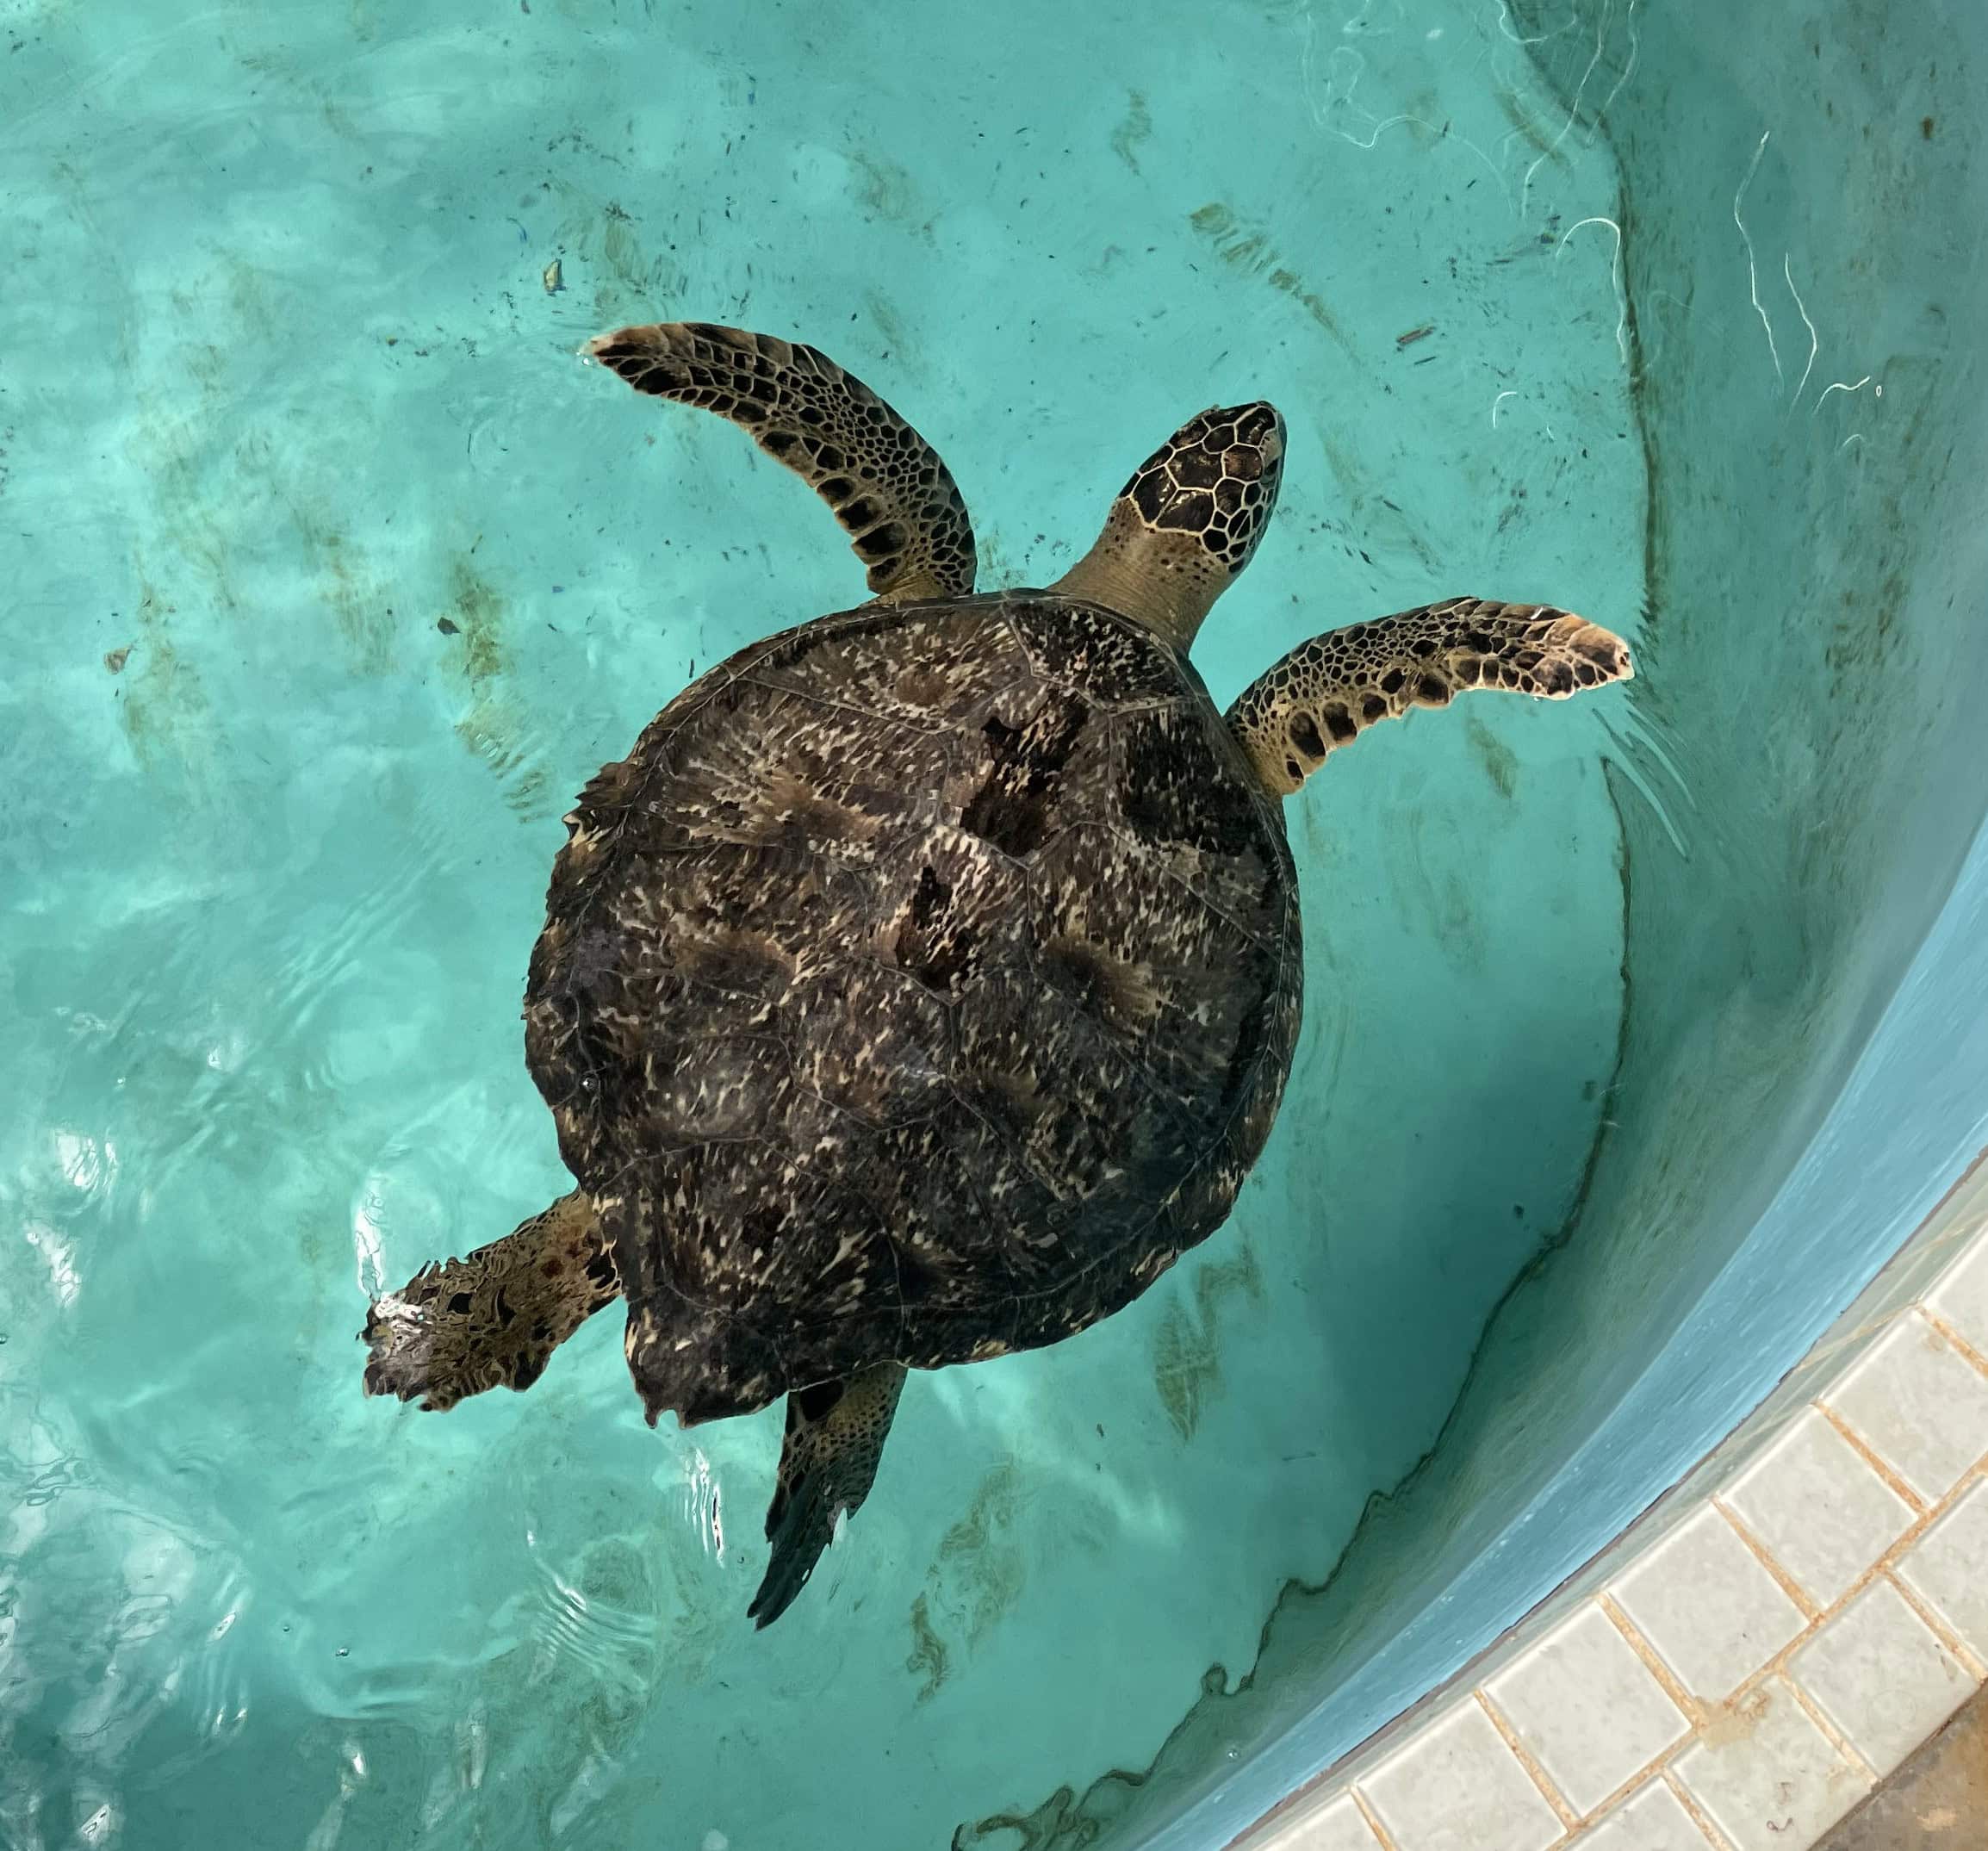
[[332, 574]]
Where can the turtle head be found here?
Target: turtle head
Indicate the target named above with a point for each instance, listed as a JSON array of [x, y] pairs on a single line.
[[1187, 522]]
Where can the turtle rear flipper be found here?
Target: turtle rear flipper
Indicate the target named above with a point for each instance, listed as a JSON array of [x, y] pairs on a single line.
[[884, 483], [835, 1436], [495, 1318]]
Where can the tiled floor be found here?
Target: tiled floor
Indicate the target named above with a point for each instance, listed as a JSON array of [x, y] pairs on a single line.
[[1769, 1646], [1588, 1709]]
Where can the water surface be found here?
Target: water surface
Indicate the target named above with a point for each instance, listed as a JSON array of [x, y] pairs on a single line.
[[335, 574]]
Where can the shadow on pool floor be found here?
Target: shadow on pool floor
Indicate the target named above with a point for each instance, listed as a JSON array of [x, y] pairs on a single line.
[[1938, 1800]]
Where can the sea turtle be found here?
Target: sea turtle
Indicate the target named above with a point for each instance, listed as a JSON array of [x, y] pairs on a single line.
[[924, 982]]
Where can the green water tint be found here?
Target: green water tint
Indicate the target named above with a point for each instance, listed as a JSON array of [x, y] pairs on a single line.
[[335, 575], [396, 575]]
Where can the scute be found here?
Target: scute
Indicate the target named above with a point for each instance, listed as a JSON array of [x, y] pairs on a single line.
[[954, 914], [1178, 786], [1114, 664], [921, 986], [930, 668], [879, 1046], [1159, 973]]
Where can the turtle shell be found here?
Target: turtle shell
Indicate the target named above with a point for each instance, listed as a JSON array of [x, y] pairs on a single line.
[[920, 987]]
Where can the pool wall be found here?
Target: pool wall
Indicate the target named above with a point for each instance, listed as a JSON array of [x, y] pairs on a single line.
[[335, 574], [1802, 1070], [1759, 1652]]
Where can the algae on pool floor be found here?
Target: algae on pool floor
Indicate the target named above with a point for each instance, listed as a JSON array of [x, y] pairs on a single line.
[[305, 398]]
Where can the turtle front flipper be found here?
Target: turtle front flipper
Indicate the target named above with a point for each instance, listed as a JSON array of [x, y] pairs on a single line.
[[462, 1326], [884, 483], [835, 1436], [1329, 691]]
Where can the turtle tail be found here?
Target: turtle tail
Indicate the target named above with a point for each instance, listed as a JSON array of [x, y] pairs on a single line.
[[835, 1436]]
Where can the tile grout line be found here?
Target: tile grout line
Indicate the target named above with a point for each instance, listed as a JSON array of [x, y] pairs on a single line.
[[1696, 1711], [1869, 1455], [1871, 1326], [1700, 1710], [1699, 1713], [1968, 1353], [1901, 1545], [1861, 1586], [1652, 1769], [1892, 1560], [1372, 1817], [1714, 1834], [1806, 1605], [1779, 1668], [1777, 1676], [1951, 1642], [1846, 1750], [1820, 1617], [1568, 1817]]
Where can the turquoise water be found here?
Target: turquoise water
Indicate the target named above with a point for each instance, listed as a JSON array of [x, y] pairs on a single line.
[[1803, 1068], [334, 574]]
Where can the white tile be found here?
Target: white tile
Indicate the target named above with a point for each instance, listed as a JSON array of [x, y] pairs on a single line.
[[1707, 1607], [1652, 1818], [1336, 1826], [1767, 1776], [1961, 1297], [1947, 1569], [1455, 1787], [1819, 1509], [1918, 1404], [1586, 1708], [1880, 1676]]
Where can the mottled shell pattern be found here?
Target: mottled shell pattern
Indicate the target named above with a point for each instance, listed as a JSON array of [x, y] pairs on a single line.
[[921, 986]]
